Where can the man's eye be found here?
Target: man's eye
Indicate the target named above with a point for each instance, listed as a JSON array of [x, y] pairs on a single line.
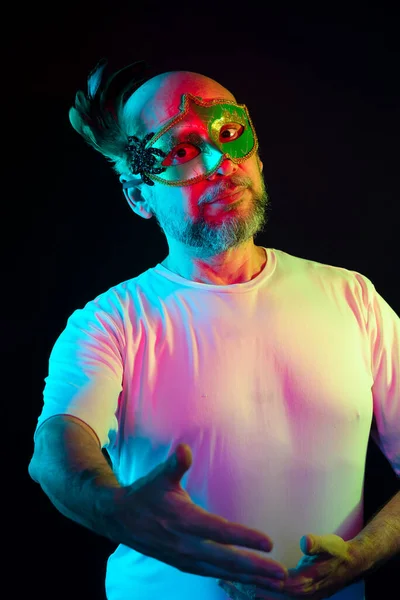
[[180, 155], [230, 132]]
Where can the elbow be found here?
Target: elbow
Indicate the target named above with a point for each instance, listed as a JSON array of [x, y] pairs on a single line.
[[33, 469]]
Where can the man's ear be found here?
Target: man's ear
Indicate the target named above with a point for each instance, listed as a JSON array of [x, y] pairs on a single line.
[[135, 199], [260, 163]]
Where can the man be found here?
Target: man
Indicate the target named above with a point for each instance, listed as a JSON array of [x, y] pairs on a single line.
[[233, 386]]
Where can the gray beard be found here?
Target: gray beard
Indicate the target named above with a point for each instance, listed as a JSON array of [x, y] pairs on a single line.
[[206, 238]]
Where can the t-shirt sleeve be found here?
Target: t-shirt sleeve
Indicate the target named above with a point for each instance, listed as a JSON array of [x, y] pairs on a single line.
[[86, 369], [384, 335]]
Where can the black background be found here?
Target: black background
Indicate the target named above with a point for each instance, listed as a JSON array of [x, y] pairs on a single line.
[[322, 86]]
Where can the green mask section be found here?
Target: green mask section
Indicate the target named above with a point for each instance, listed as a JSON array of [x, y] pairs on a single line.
[[200, 137]]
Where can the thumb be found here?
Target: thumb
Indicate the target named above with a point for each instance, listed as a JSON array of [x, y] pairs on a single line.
[[309, 544], [179, 462], [329, 544]]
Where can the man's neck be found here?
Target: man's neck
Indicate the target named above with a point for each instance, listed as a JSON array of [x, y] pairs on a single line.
[[236, 266]]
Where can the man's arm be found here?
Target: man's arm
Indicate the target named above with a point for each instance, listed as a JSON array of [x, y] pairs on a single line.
[[154, 515], [379, 541], [69, 465]]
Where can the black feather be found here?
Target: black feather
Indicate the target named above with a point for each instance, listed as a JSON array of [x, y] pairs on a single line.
[[95, 113]]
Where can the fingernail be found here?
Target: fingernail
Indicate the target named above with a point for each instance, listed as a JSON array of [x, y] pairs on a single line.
[[265, 546], [277, 585], [280, 575]]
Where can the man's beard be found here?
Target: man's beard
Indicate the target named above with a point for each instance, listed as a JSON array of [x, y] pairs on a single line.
[[209, 237]]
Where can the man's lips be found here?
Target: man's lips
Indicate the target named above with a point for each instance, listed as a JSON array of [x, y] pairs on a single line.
[[230, 196]]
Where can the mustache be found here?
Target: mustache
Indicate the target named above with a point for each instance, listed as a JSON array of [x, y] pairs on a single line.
[[231, 184]]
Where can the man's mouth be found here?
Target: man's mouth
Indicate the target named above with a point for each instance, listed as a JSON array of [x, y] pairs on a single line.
[[229, 196]]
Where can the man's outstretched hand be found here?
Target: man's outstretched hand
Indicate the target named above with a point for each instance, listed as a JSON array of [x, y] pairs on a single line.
[[156, 517]]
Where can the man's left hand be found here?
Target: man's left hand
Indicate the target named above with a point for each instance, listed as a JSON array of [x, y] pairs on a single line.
[[329, 564]]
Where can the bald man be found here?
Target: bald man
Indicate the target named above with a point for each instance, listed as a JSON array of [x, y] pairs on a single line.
[[233, 386], [210, 224]]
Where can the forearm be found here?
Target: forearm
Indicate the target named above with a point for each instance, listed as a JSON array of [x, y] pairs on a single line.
[[379, 541], [72, 471]]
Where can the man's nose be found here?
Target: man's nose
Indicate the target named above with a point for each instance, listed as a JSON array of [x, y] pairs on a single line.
[[227, 167]]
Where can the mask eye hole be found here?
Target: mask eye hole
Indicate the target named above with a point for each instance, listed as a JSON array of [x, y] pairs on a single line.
[[230, 132], [181, 154]]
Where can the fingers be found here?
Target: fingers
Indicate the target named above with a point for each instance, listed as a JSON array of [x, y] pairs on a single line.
[[232, 576], [227, 545], [239, 561], [206, 525], [239, 535]]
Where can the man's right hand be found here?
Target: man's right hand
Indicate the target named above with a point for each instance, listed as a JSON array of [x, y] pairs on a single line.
[[156, 517]]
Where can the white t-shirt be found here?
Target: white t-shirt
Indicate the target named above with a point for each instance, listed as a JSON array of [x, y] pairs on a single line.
[[275, 384]]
